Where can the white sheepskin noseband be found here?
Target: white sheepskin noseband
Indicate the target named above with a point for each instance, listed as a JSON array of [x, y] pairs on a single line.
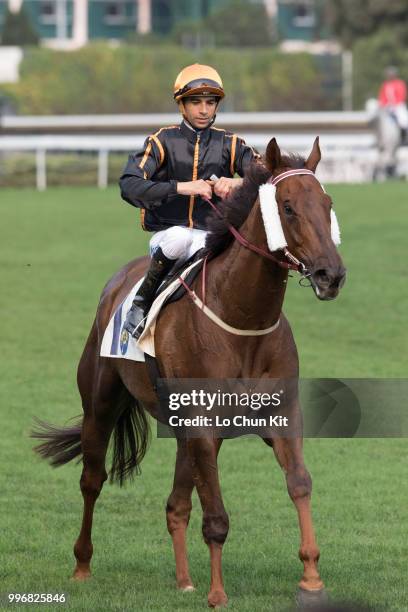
[[270, 213]]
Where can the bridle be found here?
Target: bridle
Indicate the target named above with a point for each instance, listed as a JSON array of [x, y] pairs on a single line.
[[292, 262]]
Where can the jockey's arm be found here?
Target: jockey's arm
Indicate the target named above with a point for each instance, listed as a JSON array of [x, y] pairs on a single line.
[[242, 157], [224, 186], [200, 187], [139, 190], [135, 184]]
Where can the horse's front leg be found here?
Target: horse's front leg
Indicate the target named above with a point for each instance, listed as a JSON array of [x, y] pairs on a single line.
[[289, 453], [203, 456], [178, 514]]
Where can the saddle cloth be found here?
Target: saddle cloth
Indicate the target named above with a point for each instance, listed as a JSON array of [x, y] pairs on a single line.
[[117, 343]]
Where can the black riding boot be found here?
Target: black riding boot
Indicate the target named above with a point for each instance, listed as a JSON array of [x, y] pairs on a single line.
[[159, 267]]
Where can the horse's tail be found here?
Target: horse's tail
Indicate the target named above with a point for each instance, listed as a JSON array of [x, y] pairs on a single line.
[[59, 444], [131, 437], [130, 440]]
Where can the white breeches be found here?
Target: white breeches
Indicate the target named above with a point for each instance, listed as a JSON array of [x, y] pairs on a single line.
[[178, 242], [401, 113]]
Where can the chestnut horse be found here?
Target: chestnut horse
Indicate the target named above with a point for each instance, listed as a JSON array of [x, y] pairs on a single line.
[[246, 289]]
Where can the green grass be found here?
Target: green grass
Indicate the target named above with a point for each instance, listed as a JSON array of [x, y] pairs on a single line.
[[56, 252]]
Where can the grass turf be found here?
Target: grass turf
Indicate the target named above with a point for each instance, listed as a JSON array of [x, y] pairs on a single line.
[[57, 250]]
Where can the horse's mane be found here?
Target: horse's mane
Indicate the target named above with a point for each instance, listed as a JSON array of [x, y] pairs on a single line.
[[236, 208]]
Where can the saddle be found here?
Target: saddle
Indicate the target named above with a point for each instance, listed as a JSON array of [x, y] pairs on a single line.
[[175, 272]]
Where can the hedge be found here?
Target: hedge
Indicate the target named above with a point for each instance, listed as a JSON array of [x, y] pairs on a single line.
[[135, 79]]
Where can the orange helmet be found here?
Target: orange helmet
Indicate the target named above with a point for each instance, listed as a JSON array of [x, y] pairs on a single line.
[[198, 80]]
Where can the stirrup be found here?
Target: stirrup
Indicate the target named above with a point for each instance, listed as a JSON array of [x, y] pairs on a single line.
[[134, 322], [138, 331], [135, 332]]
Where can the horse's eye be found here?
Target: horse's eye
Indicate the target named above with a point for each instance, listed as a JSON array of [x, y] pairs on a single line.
[[288, 210]]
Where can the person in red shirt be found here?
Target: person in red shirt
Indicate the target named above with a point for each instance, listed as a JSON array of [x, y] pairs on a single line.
[[393, 96]]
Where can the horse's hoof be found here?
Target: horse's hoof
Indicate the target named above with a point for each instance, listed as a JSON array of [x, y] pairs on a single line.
[[189, 588], [217, 599], [81, 575], [309, 599], [185, 585]]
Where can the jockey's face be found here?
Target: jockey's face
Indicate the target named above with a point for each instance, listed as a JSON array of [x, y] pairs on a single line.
[[200, 110]]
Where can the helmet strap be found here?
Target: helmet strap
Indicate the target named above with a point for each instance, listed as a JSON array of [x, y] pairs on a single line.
[[212, 120]]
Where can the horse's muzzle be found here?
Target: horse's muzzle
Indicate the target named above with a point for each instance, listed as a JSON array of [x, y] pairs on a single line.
[[327, 282]]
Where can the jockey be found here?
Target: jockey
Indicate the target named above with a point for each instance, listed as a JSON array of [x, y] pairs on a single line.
[[170, 180], [393, 96]]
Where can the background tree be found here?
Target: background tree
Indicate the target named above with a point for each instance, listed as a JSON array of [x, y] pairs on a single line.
[[237, 24], [352, 19], [18, 29]]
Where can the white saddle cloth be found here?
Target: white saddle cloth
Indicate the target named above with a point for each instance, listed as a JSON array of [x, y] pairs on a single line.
[[117, 343]]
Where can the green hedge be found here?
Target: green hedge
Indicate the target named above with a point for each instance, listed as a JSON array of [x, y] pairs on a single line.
[[137, 79]]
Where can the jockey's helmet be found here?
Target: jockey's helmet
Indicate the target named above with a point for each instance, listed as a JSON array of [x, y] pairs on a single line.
[[198, 80]]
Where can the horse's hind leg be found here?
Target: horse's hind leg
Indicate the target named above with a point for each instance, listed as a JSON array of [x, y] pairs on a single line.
[[178, 514], [95, 441], [289, 454], [203, 456], [101, 409]]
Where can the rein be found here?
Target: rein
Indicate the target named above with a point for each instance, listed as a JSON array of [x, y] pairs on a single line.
[[293, 263]]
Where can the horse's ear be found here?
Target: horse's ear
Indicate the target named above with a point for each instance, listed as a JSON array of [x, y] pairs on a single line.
[[314, 157], [273, 156]]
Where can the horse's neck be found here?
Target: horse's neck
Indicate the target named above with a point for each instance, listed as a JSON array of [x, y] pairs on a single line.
[[245, 289]]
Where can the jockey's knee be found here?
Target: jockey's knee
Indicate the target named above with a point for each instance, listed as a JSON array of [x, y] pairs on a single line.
[[176, 242]]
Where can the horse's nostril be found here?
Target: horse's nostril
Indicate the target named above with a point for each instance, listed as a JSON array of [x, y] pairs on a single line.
[[329, 279], [322, 276]]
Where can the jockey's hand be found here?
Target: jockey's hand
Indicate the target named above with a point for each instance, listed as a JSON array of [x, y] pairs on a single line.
[[200, 188], [224, 186]]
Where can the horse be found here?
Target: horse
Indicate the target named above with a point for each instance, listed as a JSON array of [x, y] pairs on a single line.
[[389, 139], [245, 287]]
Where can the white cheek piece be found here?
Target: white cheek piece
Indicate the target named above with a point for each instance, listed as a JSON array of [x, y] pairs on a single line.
[[335, 228], [270, 213]]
